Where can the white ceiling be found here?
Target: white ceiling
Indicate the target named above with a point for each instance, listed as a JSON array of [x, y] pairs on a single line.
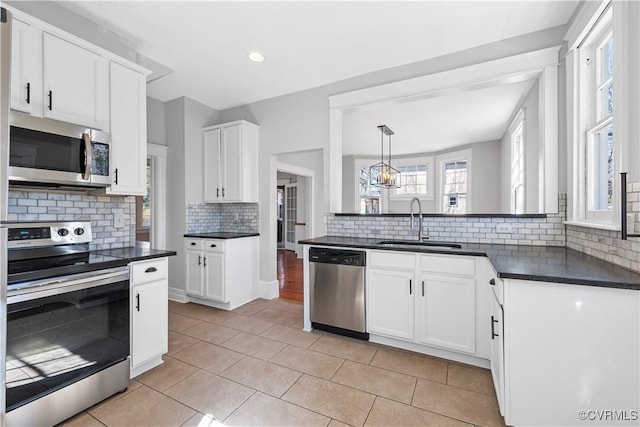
[[434, 124], [306, 44]]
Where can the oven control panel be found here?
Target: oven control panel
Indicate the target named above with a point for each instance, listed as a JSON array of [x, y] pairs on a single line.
[[47, 234]]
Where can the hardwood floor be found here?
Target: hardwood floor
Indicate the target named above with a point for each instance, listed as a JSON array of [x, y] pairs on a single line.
[[290, 276]]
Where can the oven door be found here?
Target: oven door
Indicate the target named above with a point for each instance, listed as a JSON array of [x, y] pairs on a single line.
[[59, 332]]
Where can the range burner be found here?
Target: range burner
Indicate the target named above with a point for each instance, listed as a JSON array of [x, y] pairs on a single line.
[[41, 250]]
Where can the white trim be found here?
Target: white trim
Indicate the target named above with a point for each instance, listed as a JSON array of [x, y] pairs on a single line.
[[309, 193], [514, 68], [541, 64], [158, 232], [178, 295], [593, 225], [583, 19], [267, 289]]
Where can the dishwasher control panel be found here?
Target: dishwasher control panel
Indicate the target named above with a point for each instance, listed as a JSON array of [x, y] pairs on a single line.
[[337, 256]]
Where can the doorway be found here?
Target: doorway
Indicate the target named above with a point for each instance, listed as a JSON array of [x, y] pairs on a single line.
[[151, 208], [293, 195]]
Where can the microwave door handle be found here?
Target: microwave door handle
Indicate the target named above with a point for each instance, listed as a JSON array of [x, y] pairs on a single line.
[[86, 174]]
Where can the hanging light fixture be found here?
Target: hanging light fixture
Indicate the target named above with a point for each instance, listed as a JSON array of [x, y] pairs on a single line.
[[383, 174]]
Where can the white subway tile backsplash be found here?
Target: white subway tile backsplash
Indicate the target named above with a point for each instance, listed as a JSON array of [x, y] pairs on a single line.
[[28, 205], [227, 217]]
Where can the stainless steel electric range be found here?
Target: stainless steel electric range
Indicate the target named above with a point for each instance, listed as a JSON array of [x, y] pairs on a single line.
[[67, 323]]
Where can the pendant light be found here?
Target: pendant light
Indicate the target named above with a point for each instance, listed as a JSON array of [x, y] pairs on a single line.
[[382, 174]]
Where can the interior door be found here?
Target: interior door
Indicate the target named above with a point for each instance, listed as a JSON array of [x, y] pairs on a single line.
[[290, 215]]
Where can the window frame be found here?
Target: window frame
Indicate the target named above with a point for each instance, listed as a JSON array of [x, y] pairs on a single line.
[[427, 161], [518, 125], [586, 120], [441, 160]]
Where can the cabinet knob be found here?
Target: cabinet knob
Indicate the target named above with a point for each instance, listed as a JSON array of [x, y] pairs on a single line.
[[492, 282]]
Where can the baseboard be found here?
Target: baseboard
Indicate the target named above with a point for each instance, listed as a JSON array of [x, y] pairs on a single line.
[[431, 351], [268, 289], [178, 295]]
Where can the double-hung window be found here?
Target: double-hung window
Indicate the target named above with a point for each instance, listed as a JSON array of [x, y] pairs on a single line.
[[596, 125], [454, 182], [416, 178], [517, 164]]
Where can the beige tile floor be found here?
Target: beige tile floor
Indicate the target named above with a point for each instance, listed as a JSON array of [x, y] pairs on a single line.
[[255, 366]]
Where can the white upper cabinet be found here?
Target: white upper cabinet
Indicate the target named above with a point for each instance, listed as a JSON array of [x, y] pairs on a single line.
[[57, 79], [128, 111], [231, 162], [26, 68], [74, 82]]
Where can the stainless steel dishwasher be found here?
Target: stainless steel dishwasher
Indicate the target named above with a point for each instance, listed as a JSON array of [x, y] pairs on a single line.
[[336, 279]]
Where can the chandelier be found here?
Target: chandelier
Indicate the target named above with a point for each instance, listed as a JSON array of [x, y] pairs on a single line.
[[383, 174]]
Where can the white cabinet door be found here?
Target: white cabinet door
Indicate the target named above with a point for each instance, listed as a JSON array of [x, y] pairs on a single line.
[[214, 277], [75, 83], [128, 112], [26, 68], [447, 312], [149, 321], [497, 351], [212, 165], [391, 303], [232, 163], [194, 273]]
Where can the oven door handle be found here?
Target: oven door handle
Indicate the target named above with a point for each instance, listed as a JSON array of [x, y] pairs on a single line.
[[49, 287]]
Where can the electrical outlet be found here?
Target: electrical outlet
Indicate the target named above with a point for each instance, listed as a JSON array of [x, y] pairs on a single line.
[[118, 220], [503, 227]]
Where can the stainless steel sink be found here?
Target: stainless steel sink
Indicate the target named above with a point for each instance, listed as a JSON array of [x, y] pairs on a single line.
[[416, 244]]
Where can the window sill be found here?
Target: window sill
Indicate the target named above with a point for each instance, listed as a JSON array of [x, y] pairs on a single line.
[[600, 226]]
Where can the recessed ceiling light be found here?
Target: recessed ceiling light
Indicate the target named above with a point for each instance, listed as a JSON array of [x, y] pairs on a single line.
[[256, 57]]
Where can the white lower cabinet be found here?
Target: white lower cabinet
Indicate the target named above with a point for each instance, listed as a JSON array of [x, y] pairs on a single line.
[[571, 354], [391, 303], [429, 302], [149, 314], [447, 312], [221, 272]]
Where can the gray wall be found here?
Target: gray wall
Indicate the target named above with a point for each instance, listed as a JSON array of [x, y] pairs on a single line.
[[156, 118], [184, 120]]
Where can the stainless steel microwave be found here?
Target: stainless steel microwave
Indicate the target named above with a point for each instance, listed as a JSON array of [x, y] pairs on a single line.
[[49, 153]]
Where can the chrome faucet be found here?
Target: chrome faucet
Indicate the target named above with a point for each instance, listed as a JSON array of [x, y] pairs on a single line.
[[420, 233]]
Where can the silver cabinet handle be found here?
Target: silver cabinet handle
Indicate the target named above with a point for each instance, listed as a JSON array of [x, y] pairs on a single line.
[[88, 155]]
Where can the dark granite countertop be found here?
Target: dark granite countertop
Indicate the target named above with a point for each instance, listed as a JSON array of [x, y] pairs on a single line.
[[135, 253], [539, 263], [221, 235]]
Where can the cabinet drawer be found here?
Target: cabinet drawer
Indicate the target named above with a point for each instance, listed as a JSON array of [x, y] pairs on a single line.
[[148, 271], [395, 260], [194, 244], [456, 265], [214, 245]]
